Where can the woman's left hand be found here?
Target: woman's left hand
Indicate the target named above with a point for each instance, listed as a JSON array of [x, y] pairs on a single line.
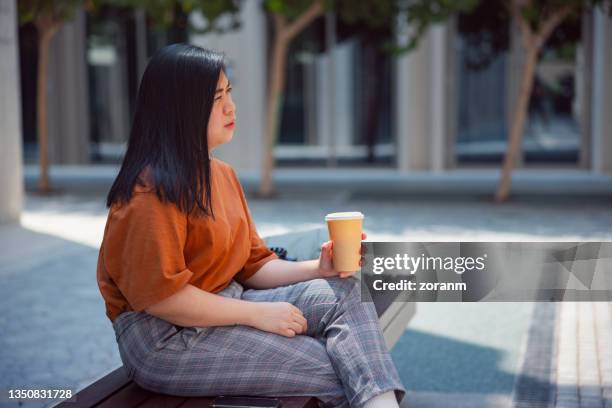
[[326, 268]]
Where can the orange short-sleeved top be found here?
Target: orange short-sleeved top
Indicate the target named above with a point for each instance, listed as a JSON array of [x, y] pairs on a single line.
[[151, 249]]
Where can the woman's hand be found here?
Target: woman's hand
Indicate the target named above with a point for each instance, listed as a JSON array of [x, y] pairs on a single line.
[[279, 317], [326, 268]]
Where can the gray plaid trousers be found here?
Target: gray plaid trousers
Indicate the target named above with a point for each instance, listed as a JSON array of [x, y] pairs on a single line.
[[342, 359]]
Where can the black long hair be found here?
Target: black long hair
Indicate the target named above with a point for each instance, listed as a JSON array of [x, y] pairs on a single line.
[[169, 130]]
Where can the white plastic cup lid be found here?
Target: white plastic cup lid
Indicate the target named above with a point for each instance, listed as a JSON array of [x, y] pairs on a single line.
[[344, 216]]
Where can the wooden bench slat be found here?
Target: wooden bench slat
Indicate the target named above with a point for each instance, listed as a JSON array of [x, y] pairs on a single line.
[[129, 396], [99, 390], [300, 402], [163, 401], [197, 402], [288, 402]]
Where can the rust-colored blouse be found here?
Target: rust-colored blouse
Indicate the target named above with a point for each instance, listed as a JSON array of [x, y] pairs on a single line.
[[151, 249]]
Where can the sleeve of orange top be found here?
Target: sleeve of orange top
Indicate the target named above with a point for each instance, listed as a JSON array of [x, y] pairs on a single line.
[[143, 250], [260, 253]]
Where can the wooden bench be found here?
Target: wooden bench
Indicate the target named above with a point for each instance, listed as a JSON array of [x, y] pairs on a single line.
[[116, 390]]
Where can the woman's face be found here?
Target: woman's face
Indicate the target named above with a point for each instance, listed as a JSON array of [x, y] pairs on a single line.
[[222, 119]]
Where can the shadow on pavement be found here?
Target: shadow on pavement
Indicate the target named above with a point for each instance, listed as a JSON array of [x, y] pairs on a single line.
[[55, 334]]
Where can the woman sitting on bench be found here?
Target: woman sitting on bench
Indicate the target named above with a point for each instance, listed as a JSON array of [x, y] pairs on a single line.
[[200, 306]]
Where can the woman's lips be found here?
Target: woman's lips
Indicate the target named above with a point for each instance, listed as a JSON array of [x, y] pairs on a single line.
[[230, 125]]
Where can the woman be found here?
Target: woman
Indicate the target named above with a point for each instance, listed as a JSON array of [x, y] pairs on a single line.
[[200, 306]]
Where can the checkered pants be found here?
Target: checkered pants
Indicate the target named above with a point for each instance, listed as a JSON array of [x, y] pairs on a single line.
[[342, 359]]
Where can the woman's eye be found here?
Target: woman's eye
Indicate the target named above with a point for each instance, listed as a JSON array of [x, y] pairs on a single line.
[[218, 98]]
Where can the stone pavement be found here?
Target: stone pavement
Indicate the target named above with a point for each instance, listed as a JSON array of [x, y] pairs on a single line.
[[584, 364], [55, 334]]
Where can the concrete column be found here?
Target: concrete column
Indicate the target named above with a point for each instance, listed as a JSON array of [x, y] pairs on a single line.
[[245, 49], [602, 93], [412, 108], [11, 168], [67, 98], [438, 114], [335, 122]]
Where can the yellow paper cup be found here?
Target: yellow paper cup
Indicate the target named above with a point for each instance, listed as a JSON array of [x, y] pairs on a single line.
[[345, 232]]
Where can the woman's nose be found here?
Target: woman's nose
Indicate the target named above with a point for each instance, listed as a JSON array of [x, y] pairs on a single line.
[[230, 107]]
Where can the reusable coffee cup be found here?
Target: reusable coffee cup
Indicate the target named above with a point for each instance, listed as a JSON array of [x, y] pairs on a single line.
[[345, 232]]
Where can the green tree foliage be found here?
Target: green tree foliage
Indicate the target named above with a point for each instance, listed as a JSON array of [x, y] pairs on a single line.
[[58, 11], [168, 13]]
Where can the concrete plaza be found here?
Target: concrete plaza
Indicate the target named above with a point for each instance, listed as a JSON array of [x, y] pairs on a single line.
[[55, 333]]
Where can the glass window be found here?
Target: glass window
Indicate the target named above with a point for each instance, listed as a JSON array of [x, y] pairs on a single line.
[[346, 114], [28, 65], [485, 99], [113, 73], [297, 114], [553, 129], [109, 90], [482, 55]]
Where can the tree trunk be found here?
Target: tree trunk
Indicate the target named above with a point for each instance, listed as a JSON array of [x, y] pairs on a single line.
[[44, 41], [276, 83], [533, 43], [518, 122], [283, 35]]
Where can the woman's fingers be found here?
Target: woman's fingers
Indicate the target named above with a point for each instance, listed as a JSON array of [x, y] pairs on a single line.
[[301, 320], [296, 310], [296, 327], [363, 249], [299, 317]]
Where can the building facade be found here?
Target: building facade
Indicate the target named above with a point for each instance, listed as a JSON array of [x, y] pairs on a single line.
[[440, 108]]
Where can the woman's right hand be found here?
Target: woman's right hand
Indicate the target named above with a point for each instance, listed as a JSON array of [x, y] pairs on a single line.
[[279, 317]]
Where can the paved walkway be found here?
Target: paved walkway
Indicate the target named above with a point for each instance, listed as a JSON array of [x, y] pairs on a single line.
[[55, 334], [584, 365]]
